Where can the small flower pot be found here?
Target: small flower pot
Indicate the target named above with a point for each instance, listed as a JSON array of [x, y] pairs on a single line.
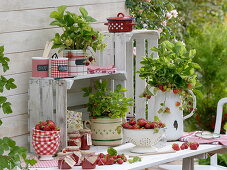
[[59, 67], [40, 67], [76, 59], [105, 131]]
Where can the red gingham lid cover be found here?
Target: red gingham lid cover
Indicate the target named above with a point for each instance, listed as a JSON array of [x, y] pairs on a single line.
[[120, 17]]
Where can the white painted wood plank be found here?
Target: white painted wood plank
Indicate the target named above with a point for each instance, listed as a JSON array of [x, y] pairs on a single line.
[[107, 56], [130, 74], [19, 105], [7, 5], [14, 126], [47, 99], [120, 52], [21, 80], [34, 104], [61, 108], [140, 103], [25, 19], [21, 140]]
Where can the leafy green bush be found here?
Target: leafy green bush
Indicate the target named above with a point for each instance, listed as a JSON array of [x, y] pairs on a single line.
[[211, 47], [105, 103], [77, 32], [11, 155]]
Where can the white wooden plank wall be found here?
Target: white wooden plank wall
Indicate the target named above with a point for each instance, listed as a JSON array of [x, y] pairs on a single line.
[[24, 31]]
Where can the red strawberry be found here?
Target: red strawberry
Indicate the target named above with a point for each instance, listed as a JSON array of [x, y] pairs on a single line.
[[154, 125], [90, 59], [176, 91], [110, 161], [126, 125], [87, 63], [141, 122], [185, 145], [37, 127], [161, 125], [101, 155], [160, 87], [42, 123], [115, 157], [93, 37], [132, 122], [102, 161], [193, 145], [135, 126], [119, 156], [177, 104], [175, 147], [57, 129], [190, 85], [147, 126], [51, 124], [124, 158], [144, 94], [120, 161], [182, 147], [148, 97], [46, 128]]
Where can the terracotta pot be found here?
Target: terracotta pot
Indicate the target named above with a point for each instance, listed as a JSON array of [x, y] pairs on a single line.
[[105, 131]]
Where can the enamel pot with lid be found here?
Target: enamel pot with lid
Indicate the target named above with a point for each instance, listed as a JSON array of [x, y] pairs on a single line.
[[121, 23]]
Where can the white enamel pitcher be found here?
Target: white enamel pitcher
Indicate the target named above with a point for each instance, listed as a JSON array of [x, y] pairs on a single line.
[[174, 119]]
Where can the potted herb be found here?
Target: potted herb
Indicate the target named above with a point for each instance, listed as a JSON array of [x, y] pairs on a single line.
[[173, 76], [77, 39], [106, 108]]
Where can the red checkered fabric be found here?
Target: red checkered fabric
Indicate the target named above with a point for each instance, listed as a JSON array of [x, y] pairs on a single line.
[[45, 133], [46, 148], [38, 138], [45, 164], [55, 70]]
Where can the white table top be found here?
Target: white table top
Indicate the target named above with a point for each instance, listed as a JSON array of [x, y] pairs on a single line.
[[153, 160]]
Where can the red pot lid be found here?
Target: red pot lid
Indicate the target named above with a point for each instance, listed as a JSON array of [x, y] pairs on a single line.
[[120, 16]]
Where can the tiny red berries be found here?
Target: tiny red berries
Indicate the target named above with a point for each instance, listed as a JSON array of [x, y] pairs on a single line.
[[190, 86], [177, 104], [120, 161], [193, 145]]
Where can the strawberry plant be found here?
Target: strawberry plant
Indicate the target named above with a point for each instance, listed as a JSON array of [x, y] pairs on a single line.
[[105, 103], [10, 154], [77, 34]]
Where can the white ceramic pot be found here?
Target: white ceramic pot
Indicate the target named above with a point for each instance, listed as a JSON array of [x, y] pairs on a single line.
[[105, 131], [76, 60], [174, 119]]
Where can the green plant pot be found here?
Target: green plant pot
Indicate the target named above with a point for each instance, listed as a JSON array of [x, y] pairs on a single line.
[[106, 131]]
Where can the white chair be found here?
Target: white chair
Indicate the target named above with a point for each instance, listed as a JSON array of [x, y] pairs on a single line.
[[213, 161]]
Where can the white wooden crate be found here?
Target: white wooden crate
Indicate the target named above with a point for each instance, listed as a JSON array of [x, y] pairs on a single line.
[[50, 98]]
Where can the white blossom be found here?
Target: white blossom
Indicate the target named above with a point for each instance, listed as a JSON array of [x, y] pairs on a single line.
[[145, 25], [160, 30], [174, 13], [163, 23], [168, 15]]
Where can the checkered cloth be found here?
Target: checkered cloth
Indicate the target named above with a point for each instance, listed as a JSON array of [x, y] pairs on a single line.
[[190, 137], [59, 68], [45, 164], [46, 148], [95, 69]]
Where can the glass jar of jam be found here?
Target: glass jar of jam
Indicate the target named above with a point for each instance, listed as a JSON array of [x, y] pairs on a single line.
[[74, 139], [89, 160], [85, 139]]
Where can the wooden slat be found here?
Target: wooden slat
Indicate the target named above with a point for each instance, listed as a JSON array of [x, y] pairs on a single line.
[[14, 126], [25, 19], [7, 5], [130, 74], [152, 42], [34, 104], [61, 108], [140, 103], [22, 140], [47, 99], [19, 105], [21, 80]]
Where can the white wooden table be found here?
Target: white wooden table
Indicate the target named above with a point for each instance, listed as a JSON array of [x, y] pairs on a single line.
[[154, 160]]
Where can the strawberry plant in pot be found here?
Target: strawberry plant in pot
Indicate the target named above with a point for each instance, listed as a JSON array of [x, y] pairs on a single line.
[[170, 78], [106, 108], [79, 40]]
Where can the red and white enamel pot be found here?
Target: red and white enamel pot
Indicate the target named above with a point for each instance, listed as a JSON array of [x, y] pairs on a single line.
[[121, 23]]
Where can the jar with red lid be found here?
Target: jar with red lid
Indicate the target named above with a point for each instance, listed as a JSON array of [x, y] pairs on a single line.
[[89, 160], [85, 139]]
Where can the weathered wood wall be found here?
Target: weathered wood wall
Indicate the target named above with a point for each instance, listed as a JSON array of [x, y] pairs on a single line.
[[24, 31]]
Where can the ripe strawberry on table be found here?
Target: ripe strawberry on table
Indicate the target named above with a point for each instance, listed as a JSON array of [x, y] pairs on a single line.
[[175, 147], [120, 161], [132, 122], [193, 145]]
